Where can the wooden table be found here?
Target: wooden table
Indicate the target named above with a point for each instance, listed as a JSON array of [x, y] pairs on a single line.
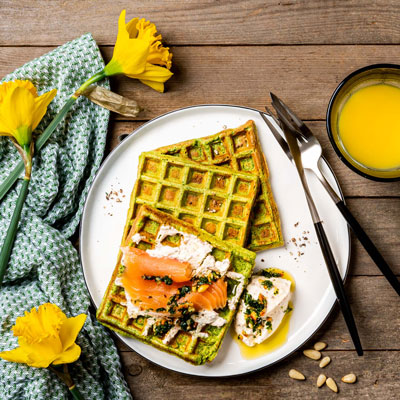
[[235, 52]]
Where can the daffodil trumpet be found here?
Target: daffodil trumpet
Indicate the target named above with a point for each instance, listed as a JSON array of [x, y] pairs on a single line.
[[138, 54], [46, 339]]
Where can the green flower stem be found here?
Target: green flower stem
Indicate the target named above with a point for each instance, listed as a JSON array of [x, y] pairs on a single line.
[[65, 376], [95, 78], [12, 229], [17, 171], [75, 393]]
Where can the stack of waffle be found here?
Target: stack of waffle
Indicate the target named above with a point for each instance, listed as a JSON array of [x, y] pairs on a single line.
[[216, 188]]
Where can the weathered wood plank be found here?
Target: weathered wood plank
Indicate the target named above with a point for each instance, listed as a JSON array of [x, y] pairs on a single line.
[[376, 309], [351, 183], [381, 220], [303, 76], [377, 377], [205, 21]]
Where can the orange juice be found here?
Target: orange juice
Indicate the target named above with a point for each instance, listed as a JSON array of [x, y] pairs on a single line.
[[369, 126]]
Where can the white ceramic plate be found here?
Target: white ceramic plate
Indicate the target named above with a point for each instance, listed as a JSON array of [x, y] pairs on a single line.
[[103, 221]]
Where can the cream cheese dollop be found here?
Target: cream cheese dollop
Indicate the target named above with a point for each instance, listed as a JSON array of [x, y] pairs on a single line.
[[191, 249], [276, 295]]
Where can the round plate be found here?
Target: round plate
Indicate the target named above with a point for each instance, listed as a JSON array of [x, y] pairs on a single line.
[[104, 218]]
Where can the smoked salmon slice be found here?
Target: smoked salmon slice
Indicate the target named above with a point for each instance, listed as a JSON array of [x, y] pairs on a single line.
[[138, 280], [146, 293], [213, 297], [177, 270]]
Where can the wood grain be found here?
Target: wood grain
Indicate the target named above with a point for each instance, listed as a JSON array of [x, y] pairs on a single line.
[[205, 21], [377, 374], [303, 76]]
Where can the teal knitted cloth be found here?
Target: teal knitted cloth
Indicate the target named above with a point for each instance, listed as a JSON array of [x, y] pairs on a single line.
[[44, 266]]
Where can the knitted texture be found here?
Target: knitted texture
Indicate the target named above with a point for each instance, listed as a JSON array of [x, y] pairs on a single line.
[[44, 266]]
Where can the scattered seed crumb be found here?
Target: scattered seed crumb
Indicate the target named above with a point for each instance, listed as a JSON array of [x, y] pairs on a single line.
[[262, 260], [296, 224]]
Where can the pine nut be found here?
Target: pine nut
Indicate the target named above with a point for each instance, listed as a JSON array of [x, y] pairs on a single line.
[[313, 354], [294, 374], [319, 346], [324, 362], [331, 385], [350, 378], [321, 380]]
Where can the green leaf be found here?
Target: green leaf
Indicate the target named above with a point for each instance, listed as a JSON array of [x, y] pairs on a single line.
[[12, 230]]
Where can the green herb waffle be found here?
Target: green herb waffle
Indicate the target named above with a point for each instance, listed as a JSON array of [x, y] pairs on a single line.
[[240, 150], [113, 313], [216, 199]]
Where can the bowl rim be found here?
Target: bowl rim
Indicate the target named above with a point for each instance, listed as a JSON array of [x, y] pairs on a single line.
[[329, 113]]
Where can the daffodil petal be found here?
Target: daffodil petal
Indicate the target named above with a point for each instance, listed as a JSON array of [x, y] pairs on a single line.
[[16, 110], [16, 355], [122, 31], [48, 348], [68, 356], [70, 329], [131, 28], [154, 85], [132, 56], [153, 73], [41, 104]]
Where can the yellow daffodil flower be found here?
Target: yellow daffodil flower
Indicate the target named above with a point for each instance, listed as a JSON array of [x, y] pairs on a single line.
[[46, 336], [139, 53], [21, 109]]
